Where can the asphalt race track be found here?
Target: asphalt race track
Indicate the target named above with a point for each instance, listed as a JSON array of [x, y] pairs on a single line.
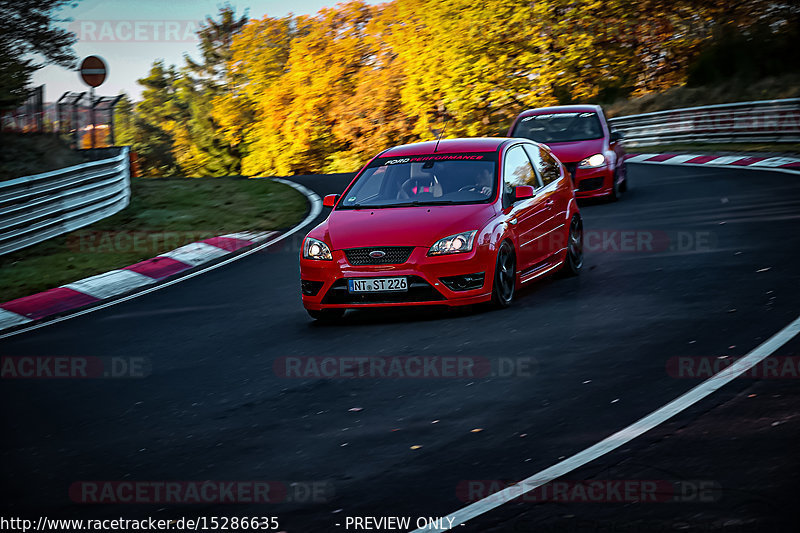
[[705, 268]]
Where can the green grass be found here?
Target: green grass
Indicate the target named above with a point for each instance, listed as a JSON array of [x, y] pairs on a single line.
[[163, 214], [721, 148]]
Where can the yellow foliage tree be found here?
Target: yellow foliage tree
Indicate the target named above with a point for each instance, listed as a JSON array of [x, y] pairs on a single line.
[[323, 93]]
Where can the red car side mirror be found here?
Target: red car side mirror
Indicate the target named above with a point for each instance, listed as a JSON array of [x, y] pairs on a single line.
[[523, 192], [330, 200]]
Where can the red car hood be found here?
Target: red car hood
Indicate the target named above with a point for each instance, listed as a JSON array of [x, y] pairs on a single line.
[[574, 152], [403, 226]]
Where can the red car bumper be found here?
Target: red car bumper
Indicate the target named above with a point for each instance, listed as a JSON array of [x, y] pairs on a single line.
[[594, 182], [432, 280]]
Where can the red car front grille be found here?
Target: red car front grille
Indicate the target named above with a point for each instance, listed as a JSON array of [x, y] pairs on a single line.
[[392, 255]]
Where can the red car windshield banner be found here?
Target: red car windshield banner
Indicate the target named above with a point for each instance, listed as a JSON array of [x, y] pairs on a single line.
[[397, 160]]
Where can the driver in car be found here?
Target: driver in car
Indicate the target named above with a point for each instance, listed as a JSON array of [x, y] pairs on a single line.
[[484, 180]]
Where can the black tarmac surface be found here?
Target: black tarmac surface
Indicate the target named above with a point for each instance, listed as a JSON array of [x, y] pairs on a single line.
[[692, 262]]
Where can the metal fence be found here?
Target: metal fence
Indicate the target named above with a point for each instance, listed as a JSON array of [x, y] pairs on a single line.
[[89, 123], [770, 121], [28, 117], [37, 208]]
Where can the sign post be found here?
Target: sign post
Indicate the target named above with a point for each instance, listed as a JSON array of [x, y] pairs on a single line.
[[93, 73]]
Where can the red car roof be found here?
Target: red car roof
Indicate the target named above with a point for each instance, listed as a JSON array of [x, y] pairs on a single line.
[[561, 109], [447, 146]]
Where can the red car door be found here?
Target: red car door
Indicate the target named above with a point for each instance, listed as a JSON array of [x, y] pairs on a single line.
[[556, 195], [525, 217]]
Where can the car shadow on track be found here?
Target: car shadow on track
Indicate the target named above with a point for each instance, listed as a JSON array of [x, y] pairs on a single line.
[[425, 313], [373, 316]]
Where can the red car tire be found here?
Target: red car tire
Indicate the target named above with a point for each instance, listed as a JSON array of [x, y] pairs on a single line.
[[505, 276]]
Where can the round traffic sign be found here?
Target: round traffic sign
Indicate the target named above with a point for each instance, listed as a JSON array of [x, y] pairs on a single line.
[[93, 71]]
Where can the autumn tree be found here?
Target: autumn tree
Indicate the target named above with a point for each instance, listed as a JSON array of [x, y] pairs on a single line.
[[200, 148], [372, 114], [323, 93], [472, 65], [30, 39], [249, 112], [147, 127]]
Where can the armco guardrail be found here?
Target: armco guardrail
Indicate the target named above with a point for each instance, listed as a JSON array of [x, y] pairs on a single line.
[[765, 121], [36, 208]]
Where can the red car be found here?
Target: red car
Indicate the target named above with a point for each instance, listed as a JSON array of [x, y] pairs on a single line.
[[581, 138], [454, 222]]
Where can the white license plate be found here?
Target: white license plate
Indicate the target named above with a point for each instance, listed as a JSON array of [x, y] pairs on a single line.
[[396, 284]]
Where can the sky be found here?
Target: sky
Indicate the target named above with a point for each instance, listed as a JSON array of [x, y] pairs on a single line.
[[130, 35]]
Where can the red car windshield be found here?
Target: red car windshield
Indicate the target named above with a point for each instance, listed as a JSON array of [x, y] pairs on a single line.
[[436, 179], [559, 127]]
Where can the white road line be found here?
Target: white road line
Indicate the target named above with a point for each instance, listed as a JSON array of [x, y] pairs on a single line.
[[254, 236], [316, 209], [680, 158], [708, 165], [639, 158], [110, 283], [195, 253], [775, 162], [9, 318], [625, 435], [725, 159]]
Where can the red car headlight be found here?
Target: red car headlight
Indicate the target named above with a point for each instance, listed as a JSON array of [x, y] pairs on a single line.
[[454, 244], [316, 249], [597, 160]]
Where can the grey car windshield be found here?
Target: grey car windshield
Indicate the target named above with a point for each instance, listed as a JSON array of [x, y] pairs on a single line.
[[559, 127], [401, 182]]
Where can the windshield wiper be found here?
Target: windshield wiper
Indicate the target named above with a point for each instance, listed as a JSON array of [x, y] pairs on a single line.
[[417, 203]]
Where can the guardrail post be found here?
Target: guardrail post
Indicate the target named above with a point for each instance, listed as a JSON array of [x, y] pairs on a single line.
[[773, 121], [36, 208]]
